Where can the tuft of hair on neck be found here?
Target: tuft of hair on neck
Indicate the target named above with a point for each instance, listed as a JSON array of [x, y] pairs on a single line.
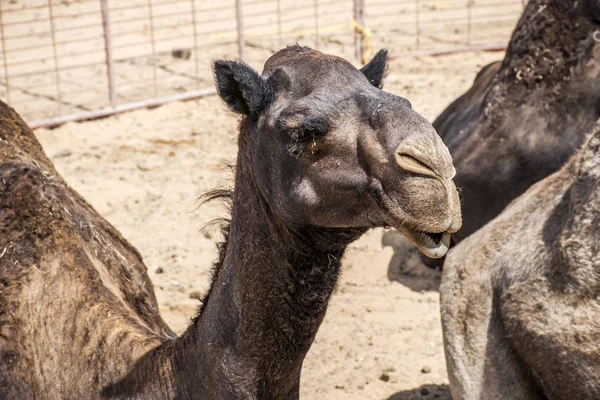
[[225, 196]]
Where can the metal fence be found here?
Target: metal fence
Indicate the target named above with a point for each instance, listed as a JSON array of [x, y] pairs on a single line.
[[64, 60]]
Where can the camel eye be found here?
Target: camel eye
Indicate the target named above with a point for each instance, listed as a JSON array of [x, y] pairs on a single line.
[[310, 133], [300, 135], [308, 130], [304, 137], [303, 128]]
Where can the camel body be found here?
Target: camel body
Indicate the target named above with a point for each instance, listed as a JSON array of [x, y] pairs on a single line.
[[66, 277], [519, 298]]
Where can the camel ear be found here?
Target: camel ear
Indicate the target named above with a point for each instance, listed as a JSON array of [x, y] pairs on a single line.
[[240, 87], [376, 69]]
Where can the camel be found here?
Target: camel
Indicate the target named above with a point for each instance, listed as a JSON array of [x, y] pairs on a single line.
[[323, 155], [525, 116], [519, 298]]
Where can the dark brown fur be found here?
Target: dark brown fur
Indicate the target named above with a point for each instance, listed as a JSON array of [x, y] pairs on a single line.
[[78, 316], [525, 116], [52, 244]]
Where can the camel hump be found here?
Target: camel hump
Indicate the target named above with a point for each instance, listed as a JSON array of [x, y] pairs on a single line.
[[22, 192], [39, 214], [18, 143], [34, 209]]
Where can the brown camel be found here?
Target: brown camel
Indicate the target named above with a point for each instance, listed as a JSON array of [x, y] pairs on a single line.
[[525, 116], [520, 306], [324, 155]]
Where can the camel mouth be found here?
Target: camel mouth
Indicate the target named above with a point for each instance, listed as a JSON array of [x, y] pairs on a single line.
[[432, 244]]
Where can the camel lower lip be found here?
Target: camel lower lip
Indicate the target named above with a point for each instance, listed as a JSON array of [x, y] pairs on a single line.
[[433, 245]]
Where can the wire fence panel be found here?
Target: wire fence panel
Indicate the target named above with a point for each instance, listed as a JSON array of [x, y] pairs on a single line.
[[64, 60], [434, 26]]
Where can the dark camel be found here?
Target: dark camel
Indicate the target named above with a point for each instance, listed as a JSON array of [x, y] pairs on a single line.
[[525, 116], [324, 155], [519, 298]]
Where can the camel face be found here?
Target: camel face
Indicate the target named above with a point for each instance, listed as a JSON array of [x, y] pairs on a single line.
[[332, 150]]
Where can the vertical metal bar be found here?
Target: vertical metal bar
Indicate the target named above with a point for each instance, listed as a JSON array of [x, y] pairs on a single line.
[[316, 10], [4, 58], [196, 74], [279, 23], [153, 45], [240, 30], [55, 55], [469, 21], [110, 72], [417, 24], [359, 17]]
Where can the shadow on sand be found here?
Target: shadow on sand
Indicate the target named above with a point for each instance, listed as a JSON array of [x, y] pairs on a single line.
[[425, 392], [407, 267]]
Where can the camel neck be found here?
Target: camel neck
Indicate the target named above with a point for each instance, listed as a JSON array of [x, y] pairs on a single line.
[[268, 298]]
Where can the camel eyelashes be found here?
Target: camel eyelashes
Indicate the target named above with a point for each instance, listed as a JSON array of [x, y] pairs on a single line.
[[308, 133], [304, 136], [302, 128]]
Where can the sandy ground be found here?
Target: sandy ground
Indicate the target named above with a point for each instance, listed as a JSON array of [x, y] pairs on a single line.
[[143, 171]]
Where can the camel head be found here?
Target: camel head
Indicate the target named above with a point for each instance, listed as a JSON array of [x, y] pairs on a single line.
[[330, 149]]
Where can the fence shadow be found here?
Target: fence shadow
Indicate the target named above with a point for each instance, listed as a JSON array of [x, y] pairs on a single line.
[[406, 265], [425, 392]]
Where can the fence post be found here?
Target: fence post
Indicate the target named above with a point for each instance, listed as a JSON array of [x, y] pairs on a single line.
[[55, 55], [417, 24], [195, 33], [4, 56], [240, 29], [279, 23], [469, 21], [359, 17], [152, 45], [110, 72], [316, 11]]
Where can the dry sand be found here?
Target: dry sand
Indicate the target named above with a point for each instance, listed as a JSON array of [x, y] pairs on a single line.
[[143, 171]]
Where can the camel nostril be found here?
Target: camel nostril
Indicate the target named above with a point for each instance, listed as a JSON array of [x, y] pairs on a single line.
[[411, 164]]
